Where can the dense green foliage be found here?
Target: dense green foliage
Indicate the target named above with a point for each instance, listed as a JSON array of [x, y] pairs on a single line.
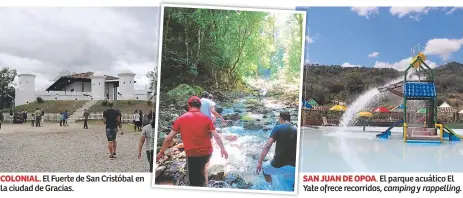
[[218, 49], [7, 94], [335, 83]]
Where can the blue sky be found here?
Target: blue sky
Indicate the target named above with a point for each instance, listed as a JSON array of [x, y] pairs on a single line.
[[382, 36]]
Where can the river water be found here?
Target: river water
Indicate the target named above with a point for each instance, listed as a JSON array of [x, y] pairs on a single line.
[[244, 147]]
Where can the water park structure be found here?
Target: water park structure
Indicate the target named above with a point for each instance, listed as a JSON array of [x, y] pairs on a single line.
[[422, 89]]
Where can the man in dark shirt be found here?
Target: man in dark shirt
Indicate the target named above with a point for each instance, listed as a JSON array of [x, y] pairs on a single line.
[[24, 116], [284, 160], [65, 118], [86, 114], [111, 119]]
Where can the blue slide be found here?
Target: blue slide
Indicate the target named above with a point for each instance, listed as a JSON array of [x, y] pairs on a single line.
[[451, 135], [387, 133]]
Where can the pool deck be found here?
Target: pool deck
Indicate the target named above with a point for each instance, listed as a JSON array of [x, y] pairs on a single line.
[[333, 149]]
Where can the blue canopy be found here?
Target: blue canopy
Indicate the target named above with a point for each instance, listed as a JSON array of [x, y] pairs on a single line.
[[307, 105]]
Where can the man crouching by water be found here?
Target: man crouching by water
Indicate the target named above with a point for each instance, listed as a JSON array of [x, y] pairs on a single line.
[[284, 160], [194, 128]]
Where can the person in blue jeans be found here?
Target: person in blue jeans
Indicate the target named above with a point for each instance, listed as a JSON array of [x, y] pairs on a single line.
[[111, 119], [284, 159], [65, 118]]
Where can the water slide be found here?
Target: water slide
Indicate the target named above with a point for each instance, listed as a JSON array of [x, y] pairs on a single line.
[[450, 131], [385, 134]]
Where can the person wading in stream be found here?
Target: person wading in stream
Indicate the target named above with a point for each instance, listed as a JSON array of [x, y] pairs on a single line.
[[208, 109], [194, 128], [284, 160]]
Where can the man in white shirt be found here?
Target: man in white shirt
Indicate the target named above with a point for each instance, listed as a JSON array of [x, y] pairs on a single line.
[[208, 107], [136, 119], [147, 139]]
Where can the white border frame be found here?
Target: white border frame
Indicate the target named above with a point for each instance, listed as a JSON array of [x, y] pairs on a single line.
[[301, 80]]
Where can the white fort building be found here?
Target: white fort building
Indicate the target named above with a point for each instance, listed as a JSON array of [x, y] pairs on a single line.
[[82, 86]]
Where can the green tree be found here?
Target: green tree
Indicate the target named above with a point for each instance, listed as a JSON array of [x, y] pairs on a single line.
[[7, 90], [153, 76], [221, 48]]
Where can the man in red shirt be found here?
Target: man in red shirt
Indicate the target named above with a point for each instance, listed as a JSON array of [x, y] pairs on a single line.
[[194, 128]]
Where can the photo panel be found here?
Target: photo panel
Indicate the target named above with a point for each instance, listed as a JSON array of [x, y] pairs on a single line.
[[380, 92], [229, 98], [71, 80]]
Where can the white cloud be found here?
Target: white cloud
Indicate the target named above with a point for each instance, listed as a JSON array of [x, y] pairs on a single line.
[[401, 65], [443, 47], [367, 12], [453, 10], [349, 65], [412, 12], [45, 41], [373, 55], [308, 39]]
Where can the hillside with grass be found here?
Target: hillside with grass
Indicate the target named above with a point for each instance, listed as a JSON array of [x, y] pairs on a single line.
[[50, 106], [330, 83], [125, 106], [57, 106]]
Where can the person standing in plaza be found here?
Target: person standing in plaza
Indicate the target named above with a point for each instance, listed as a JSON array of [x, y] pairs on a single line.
[[147, 138], [65, 117], [1, 119], [136, 119], [61, 119], [111, 119], [24, 116], [140, 124], [38, 117], [42, 117], [86, 114], [11, 115]]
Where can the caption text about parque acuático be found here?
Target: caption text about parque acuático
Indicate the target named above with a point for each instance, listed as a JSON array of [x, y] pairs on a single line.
[[21, 183], [380, 184]]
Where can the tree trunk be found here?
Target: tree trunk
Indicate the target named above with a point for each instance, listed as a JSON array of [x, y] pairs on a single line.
[[166, 31], [186, 46]]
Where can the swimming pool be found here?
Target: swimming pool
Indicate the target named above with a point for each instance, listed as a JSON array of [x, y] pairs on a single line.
[[326, 149]]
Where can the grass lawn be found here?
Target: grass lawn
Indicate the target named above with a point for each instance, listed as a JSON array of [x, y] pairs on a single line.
[[125, 106], [51, 106]]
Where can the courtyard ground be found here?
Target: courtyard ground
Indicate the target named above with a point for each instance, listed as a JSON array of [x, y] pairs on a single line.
[[52, 148]]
